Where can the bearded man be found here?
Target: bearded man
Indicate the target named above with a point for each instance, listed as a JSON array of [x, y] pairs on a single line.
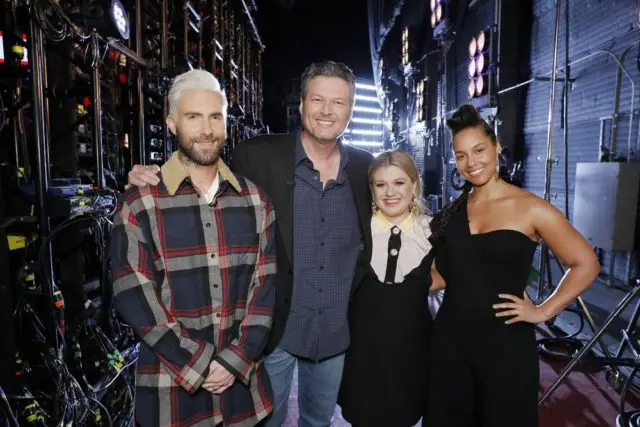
[[193, 262]]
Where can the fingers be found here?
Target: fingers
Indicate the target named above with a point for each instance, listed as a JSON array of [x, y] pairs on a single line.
[[515, 312], [506, 305], [514, 320], [510, 297]]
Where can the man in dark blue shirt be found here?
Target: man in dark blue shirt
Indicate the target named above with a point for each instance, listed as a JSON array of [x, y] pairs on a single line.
[[319, 189]]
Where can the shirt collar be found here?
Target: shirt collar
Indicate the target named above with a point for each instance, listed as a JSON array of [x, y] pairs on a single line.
[[380, 224], [174, 173], [301, 155]]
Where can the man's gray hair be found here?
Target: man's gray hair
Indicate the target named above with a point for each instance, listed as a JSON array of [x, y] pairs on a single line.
[[194, 80], [328, 69]]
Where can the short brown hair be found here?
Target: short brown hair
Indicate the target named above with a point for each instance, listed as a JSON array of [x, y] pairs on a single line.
[[327, 69]]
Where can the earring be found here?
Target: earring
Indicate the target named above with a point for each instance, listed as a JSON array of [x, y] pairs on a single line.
[[498, 165], [374, 208]]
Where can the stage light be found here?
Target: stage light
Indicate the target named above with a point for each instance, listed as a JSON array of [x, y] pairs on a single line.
[[480, 86], [481, 70], [419, 100], [482, 41], [405, 46], [473, 47], [472, 88], [108, 17], [440, 12], [472, 68]]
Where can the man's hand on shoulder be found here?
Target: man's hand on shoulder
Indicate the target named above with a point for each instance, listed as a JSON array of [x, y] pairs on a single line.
[[141, 176]]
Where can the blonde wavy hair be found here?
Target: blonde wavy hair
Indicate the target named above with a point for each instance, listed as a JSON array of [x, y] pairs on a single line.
[[401, 160]]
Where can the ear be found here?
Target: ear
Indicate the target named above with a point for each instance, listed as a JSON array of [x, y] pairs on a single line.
[[171, 125], [300, 106]]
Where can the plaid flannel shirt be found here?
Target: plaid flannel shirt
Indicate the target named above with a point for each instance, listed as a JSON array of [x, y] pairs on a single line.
[[196, 282]]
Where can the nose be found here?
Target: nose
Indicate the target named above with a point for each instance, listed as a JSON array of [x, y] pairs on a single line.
[[207, 128], [388, 191], [326, 108]]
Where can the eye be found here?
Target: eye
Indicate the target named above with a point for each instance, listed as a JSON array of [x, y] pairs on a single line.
[[379, 185], [480, 150]]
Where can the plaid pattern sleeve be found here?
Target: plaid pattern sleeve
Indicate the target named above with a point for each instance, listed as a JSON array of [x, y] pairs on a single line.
[[248, 342], [136, 295], [196, 281]]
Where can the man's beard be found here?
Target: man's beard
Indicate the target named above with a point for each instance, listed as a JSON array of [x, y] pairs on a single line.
[[188, 149]]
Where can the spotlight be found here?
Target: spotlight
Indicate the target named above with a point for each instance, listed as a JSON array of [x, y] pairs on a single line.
[[108, 17], [473, 47], [438, 16], [472, 88], [481, 69]]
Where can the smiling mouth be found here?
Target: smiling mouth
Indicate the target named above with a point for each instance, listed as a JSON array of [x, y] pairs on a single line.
[[325, 122], [392, 202], [476, 172]]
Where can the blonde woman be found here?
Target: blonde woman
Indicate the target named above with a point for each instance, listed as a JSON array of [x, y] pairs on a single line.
[[383, 384]]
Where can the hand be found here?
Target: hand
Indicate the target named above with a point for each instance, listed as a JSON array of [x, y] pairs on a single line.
[[141, 176], [522, 310], [218, 380]]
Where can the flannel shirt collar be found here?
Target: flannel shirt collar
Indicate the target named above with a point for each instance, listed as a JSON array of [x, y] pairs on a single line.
[[174, 173]]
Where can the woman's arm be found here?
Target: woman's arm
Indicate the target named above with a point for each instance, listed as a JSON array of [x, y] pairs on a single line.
[[572, 249]]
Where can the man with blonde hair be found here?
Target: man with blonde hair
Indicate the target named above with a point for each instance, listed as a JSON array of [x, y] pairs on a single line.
[[193, 262]]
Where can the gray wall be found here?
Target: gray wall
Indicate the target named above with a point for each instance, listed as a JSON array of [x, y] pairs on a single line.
[[593, 26]]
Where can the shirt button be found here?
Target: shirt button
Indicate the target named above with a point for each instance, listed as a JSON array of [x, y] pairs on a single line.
[[212, 256], [321, 268], [322, 219], [218, 315], [393, 252], [321, 243], [215, 285], [319, 291], [208, 225]]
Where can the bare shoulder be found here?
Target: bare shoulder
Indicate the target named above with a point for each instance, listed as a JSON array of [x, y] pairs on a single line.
[[535, 207]]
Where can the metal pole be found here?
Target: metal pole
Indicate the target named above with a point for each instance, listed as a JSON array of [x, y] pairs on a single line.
[[36, 59], [97, 120], [622, 305], [565, 107], [547, 180], [142, 138]]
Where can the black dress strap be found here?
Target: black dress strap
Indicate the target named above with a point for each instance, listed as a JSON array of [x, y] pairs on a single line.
[[392, 258]]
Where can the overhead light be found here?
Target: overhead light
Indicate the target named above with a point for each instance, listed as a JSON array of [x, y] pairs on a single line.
[[367, 98], [473, 47], [108, 17], [365, 143], [367, 109], [367, 121], [365, 86], [120, 18]]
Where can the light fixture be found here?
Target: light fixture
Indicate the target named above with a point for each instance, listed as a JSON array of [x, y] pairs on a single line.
[[108, 17], [120, 18], [480, 70]]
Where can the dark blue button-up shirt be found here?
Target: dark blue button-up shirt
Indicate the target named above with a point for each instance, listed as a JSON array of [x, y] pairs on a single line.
[[326, 242]]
